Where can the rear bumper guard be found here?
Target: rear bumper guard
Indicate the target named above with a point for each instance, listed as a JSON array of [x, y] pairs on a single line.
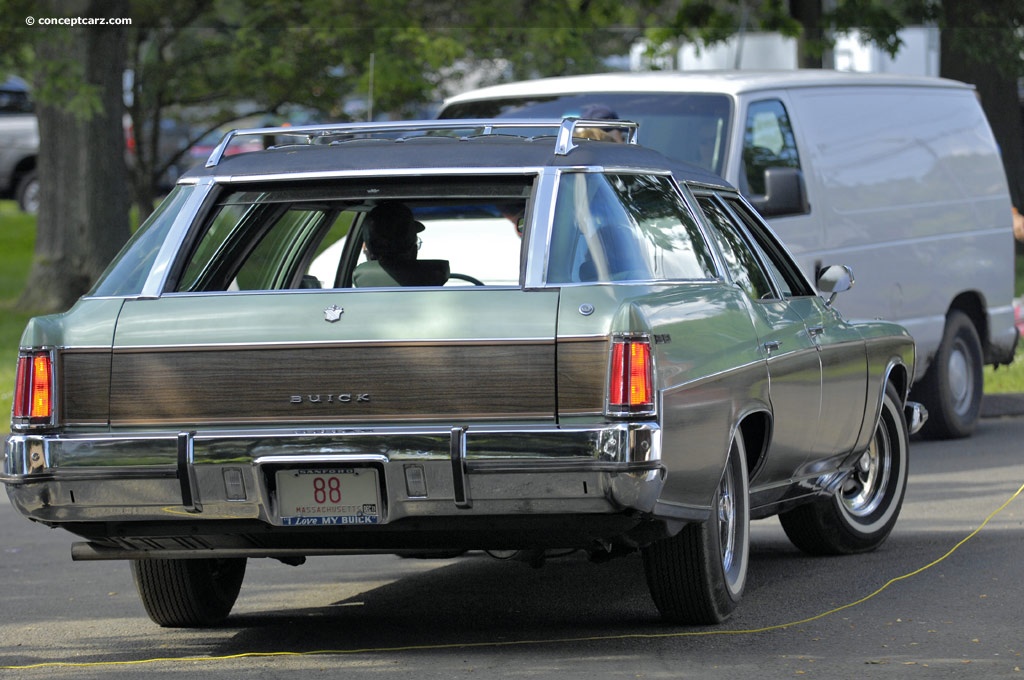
[[425, 472]]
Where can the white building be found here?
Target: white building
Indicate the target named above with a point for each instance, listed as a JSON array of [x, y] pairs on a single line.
[[919, 54]]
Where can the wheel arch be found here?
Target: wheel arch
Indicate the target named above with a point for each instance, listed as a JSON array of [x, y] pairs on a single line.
[[972, 304], [899, 375], [22, 168], [755, 428]]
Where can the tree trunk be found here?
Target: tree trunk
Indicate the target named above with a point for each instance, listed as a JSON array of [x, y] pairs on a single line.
[[83, 213], [808, 13], [997, 88]]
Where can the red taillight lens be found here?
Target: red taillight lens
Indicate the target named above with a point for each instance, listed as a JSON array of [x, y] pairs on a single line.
[[630, 389], [33, 397]]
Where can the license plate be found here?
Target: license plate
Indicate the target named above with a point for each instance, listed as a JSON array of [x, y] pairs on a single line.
[[344, 496]]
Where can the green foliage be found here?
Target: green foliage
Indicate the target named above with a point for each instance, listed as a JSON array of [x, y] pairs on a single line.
[[17, 241], [1006, 379]]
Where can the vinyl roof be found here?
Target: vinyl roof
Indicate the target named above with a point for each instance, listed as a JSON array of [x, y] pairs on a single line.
[[491, 153]]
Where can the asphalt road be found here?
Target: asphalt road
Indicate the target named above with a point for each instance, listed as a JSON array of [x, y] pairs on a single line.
[[941, 599]]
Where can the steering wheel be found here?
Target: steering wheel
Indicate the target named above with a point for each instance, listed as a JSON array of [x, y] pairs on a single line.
[[466, 277]]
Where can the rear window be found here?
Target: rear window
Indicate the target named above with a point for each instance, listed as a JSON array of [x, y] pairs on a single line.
[[465, 231], [687, 127]]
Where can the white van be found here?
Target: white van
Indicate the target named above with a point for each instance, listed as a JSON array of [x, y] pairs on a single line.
[[898, 177]]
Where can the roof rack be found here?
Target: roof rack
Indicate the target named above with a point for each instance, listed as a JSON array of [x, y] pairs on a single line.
[[564, 128]]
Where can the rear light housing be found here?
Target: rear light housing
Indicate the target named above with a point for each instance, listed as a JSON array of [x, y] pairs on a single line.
[[34, 390], [631, 376]]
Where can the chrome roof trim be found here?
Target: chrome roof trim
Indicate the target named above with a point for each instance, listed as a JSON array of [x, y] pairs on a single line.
[[564, 129], [360, 174]]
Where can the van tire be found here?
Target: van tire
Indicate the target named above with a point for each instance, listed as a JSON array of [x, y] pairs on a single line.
[[952, 388]]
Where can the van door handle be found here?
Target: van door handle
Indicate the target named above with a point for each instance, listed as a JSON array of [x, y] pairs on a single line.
[[771, 346], [815, 331]]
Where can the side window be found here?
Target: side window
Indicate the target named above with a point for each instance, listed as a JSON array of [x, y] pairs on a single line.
[[253, 247], [768, 142], [786, 272], [624, 227], [739, 256]]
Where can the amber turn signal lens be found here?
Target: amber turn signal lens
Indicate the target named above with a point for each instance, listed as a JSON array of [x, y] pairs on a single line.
[[33, 396], [630, 386]]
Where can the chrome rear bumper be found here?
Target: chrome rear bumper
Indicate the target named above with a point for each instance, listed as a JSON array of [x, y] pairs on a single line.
[[425, 472]]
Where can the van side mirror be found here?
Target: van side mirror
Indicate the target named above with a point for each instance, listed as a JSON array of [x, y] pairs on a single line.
[[834, 279], [785, 193]]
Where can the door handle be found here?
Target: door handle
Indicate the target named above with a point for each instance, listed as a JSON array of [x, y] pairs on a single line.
[[815, 331], [771, 346]]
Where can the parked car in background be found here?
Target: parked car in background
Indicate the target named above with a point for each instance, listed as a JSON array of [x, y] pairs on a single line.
[[525, 343], [898, 177], [19, 146]]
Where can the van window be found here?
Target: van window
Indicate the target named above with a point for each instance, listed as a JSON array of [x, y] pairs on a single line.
[[767, 143], [688, 127]]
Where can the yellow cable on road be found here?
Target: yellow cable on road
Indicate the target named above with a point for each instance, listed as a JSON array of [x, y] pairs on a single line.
[[515, 643]]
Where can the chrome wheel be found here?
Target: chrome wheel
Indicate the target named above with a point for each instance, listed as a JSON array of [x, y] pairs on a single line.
[[698, 575], [862, 514], [727, 524], [865, 490]]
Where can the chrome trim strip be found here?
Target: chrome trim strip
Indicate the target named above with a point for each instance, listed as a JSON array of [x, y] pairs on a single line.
[[359, 174], [158, 273], [424, 342]]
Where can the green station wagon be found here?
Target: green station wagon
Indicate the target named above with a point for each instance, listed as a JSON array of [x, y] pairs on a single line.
[[427, 338]]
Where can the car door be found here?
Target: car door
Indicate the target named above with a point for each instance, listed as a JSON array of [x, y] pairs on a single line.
[[841, 349], [791, 353]]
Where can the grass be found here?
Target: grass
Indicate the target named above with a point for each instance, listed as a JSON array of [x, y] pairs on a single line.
[[17, 241]]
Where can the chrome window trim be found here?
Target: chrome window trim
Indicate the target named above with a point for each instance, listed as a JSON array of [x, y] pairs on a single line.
[[376, 172], [157, 278]]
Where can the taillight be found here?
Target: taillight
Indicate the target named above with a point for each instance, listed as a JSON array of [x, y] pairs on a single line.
[[33, 390], [630, 388]]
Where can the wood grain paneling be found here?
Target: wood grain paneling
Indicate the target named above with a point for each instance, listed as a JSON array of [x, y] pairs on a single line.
[[85, 380], [335, 383], [582, 375]]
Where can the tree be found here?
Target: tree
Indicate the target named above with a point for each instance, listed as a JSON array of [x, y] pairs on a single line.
[[209, 64], [83, 214], [985, 46]]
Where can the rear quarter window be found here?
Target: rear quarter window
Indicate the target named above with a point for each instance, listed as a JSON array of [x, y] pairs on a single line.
[[622, 227]]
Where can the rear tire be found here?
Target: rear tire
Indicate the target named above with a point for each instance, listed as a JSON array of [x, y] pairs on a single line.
[[27, 193], [862, 514], [952, 388], [188, 593], [697, 576]]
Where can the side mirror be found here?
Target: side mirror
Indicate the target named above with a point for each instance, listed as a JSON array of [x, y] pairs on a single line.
[[835, 279], [784, 193]]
